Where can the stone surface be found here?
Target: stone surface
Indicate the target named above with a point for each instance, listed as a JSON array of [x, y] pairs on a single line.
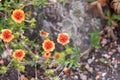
[[70, 18]]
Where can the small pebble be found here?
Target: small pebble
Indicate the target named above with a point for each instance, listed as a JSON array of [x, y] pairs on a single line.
[[114, 50], [83, 77], [6, 53], [91, 69], [104, 41], [103, 74], [76, 77], [90, 61], [1, 61], [118, 48], [87, 66]]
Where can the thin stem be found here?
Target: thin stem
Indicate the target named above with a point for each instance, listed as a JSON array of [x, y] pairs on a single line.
[[19, 75], [36, 76], [19, 78], [58, 68], [86, 52], [9, 64], [3, 14]]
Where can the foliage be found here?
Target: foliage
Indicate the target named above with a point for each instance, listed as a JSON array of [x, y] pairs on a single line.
[[95, 38], [112, 18], [73, 56]]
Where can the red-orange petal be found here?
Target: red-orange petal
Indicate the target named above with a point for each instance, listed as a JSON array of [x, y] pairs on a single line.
[[48, 45], [47, 55], [44, 33], [6, 35], [63, 38], [18, 15], [19, 54]]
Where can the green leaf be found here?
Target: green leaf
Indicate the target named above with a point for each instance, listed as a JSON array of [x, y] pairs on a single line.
[[108, 15], [1, 8], [56, 78], [68, 49], [74, 55], [109, 22], [75, 64], [102, 59], [0, 27], [95, 38], [70, 65], [76, 49], [117, 17], [83, 68]]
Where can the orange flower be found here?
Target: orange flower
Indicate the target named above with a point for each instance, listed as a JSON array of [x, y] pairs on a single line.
[[19, 54], [18, 15], [47, 55], [66, 70], [6, 35], [48, 45], [63, 38], [57, 56], [44, 33]]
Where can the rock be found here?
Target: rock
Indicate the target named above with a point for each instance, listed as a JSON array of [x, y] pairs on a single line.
[[90, 61], [7, 53], [83, 77], [69, 18], [76, 77], [89, 68], [103, 74]]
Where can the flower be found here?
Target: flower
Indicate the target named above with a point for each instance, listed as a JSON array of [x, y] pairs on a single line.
[[19, 54], [18, 15], [6, 35], [48, 45], [44, 33], [66, 70], [63, 38], [57, 56], [47, 55]]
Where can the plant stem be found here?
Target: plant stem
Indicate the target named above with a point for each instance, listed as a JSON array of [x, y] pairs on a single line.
[[9, 64], [86, 52], [19, 78], [3, 14], [36, 76]]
